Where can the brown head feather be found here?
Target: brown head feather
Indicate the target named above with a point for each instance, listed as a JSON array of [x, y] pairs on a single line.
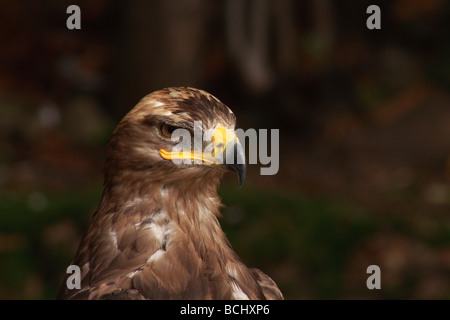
[[155, 234]]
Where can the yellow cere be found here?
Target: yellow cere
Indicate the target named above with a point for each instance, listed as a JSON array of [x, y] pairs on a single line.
[[221, 137]]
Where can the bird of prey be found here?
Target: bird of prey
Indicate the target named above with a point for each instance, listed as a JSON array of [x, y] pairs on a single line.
[[155, 233]]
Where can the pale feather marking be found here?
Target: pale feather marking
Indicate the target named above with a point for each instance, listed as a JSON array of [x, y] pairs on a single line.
[[237, 293], [157, 255]]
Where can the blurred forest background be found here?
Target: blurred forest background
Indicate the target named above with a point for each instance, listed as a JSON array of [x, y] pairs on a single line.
[[364, 119]]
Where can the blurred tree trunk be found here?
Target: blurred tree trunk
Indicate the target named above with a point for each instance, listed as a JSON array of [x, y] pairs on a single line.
[[324, 28], [259, 59], [160, 44]]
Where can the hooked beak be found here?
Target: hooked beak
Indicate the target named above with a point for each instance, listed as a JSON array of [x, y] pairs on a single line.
[[235, 160], [226, 151]]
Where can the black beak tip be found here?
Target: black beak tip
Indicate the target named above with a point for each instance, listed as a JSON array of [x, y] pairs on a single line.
[[241, 176], [236, 161], [241, 170]]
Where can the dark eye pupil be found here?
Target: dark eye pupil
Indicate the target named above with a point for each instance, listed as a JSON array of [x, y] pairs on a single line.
[[167, 130], [171, 129]]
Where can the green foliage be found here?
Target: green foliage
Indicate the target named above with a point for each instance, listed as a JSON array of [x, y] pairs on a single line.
[[34, 251], [315, 235]]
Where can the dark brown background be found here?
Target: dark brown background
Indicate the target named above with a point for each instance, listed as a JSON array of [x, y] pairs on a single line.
[[364, 119]]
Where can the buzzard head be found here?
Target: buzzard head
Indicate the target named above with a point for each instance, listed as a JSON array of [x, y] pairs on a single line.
[[155, 234], [186, 134]]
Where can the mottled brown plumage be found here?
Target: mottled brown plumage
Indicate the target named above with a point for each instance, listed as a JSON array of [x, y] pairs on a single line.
[[155, 234]]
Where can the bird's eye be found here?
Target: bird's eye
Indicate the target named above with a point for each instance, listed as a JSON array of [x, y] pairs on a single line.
[[167, 130]]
